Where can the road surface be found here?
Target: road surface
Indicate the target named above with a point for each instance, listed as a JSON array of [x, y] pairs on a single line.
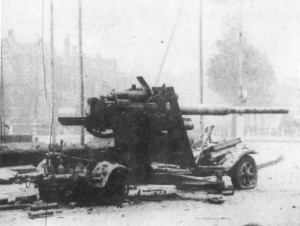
[[275, 201]]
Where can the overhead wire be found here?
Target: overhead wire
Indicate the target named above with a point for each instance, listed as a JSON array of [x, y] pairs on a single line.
[[169, 43]]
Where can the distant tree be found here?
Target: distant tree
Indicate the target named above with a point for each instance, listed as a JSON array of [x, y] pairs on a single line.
[[257, 74]]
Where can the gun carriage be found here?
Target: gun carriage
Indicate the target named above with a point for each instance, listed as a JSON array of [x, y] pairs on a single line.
[[149, 129]]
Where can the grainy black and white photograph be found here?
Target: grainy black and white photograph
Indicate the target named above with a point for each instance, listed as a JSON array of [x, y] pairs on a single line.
[[150, 112]]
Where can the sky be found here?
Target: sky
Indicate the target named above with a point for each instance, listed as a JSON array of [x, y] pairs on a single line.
[[136, 32]]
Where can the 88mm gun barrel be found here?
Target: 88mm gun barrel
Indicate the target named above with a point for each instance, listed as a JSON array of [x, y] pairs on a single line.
[[140, 104], [226, 110]]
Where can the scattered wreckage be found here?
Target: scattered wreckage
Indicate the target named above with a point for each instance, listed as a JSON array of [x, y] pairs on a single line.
[[151, 147]]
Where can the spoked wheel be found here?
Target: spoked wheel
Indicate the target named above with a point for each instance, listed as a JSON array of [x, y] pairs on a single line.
[[244, 174]]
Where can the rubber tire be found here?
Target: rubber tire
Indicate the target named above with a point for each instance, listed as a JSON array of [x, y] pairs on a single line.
[[236, 176], [115, 188]]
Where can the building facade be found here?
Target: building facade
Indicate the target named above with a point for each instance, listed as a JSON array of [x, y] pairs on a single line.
[[28, 84]]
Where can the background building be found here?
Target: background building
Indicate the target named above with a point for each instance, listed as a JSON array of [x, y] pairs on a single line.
[[27, 94]]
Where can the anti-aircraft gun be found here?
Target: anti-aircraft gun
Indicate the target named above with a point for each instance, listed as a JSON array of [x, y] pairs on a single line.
[[148, 127]]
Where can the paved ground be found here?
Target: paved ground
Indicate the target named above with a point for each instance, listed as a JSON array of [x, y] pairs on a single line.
[[275, 201]]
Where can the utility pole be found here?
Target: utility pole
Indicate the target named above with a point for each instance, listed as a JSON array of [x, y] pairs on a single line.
[[53, 120], [36, 103], [201, 60], [2, 125], [81, 69], [241, 57], [241, 119], [238, 121]]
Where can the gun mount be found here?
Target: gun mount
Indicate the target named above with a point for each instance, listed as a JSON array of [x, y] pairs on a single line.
[[148, 125]]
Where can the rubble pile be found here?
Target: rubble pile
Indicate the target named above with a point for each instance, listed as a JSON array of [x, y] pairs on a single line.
[[44, 188]]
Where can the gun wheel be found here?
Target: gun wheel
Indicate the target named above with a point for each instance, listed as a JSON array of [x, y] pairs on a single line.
[[116, 189], [244, 174]]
